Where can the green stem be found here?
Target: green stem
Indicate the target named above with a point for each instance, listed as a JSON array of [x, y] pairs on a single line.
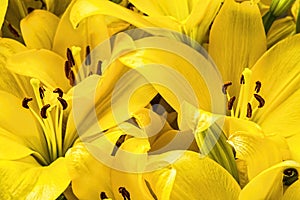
[[213, 143], [268, 20]]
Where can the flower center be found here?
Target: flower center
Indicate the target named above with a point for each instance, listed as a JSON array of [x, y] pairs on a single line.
[[51, 105], [76, 70], [245, 108]]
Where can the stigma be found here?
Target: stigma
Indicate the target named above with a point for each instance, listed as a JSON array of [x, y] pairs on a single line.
[[242, 106]]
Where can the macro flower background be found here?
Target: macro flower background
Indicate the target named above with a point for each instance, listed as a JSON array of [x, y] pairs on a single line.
[[255, 47]]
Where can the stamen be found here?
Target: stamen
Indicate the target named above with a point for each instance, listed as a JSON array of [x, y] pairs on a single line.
[[71, 78], [63, 102], [249, 110], [260, 100], [70, 56], [42, 92], [88, 55], [225, 86], [258, 86], [68, 68], [242, 81], [103, 196], [290, 175], [99, 70], [90, 73], [25, 102], [125, 193], [230, 103], [44, 110], [59, 92], [118, 144]]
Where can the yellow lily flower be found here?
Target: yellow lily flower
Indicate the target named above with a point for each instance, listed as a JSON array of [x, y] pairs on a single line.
[[38, 123], [192, 18]]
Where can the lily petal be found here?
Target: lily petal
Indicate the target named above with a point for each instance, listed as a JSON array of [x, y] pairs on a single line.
[[10, 82], [42, 64], [178, 10], [87, 33], [19, 132], [90, 177], [293, 192], [191, 83], [278, 71], [38, 29], [29, 180], [3, 8], [210, 180], [269, 183], [235, 32], [83, 9], [118, 94]]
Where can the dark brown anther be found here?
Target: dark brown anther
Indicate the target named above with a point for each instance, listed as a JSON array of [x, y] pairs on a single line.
[[118, 144], [242, 81], [63, 102], [25, 102], [99, 70], [290, 175], [68, 68], [42, 92], [59, 92], [44, 110], [71, 78], [70, 56], [260, 100], [230, 103], [225, 86], [88, 55], [249, 110], [90, 73], [13, 30], [103, 196], [257, 86], [30, 9], [130, 6], [125, 193]]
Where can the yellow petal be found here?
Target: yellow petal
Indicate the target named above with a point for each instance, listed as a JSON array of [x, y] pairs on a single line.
[[29, 180], [196, 178], [3, 8], [237, 39], [38, 29], [9, 82], [293, 192], [83, 9], [281, 29], [117, 95], [19, 129], [278, 71], [129, 163], [178, 10], [90, 31], [183, 73], [90, 177], [199, 21], [42, 64], [259, 152], [269, 183]]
